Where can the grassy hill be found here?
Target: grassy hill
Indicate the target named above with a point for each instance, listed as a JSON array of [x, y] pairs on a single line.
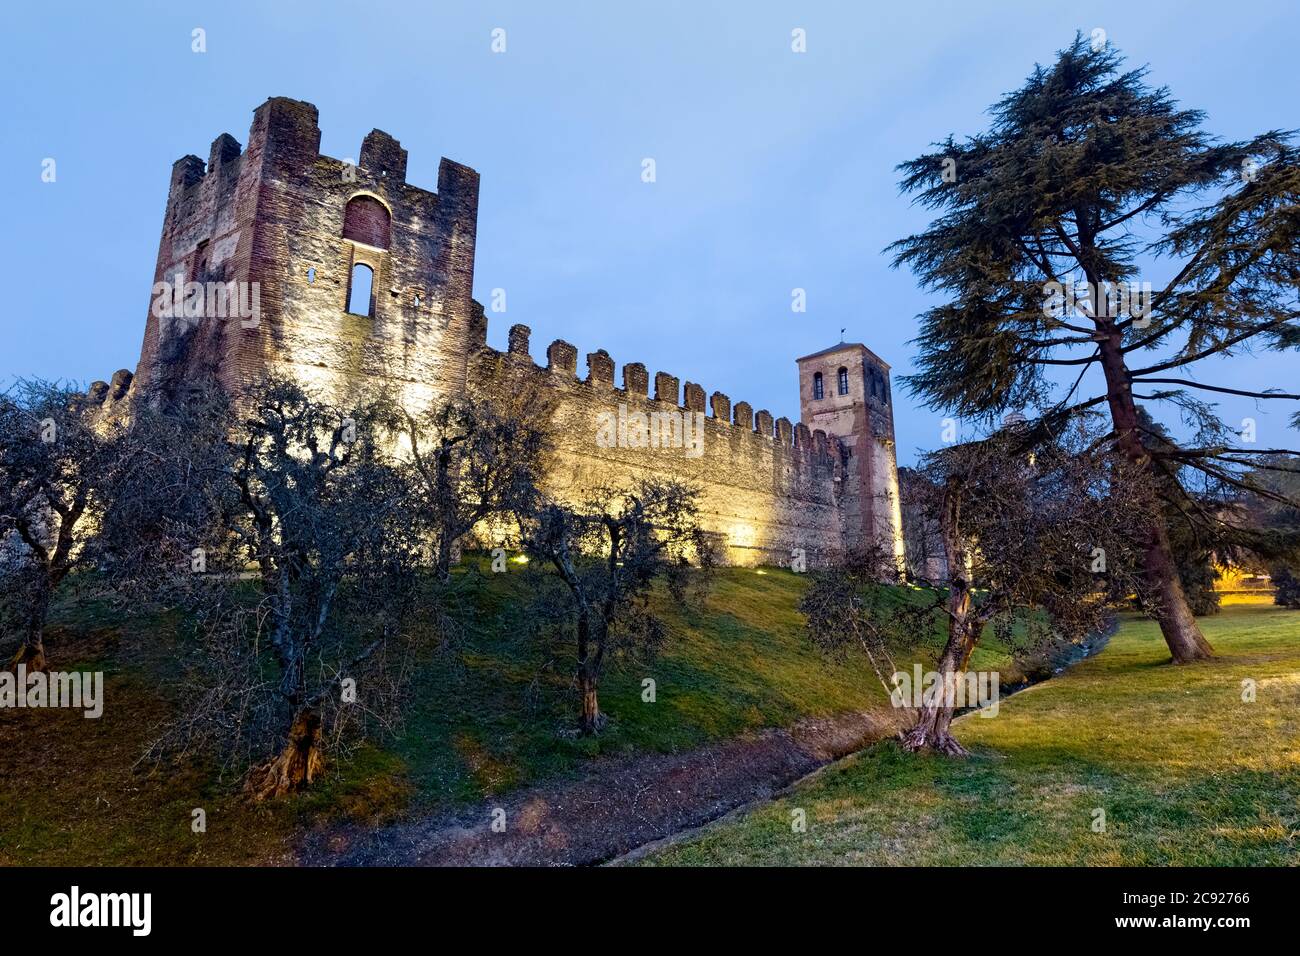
[[1186, 772], [486, 716]]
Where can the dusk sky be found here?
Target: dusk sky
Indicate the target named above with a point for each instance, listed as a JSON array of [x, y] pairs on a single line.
[[775, 169]]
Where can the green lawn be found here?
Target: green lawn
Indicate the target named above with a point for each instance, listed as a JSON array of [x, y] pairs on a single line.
[[1186, 772], [494, 719], [486, 715]]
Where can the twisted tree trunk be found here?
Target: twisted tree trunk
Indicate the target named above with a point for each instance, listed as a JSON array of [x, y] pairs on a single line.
[[930, 732], [31, 653], [296, 766], [445, 502]]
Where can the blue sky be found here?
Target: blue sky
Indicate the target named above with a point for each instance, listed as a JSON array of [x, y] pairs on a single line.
[[775, 170]]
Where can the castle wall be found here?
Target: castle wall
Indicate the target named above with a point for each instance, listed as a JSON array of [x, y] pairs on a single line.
[[767, 487]]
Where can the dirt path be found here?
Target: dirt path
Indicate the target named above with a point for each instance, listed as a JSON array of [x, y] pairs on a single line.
[[617, 806]]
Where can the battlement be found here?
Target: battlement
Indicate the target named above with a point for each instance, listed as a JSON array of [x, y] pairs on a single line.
[[770, 488], [107, 403], [738, 419], [285, 136]]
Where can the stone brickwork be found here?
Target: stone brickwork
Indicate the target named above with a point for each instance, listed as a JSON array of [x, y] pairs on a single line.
[[845, 392], [762, 495], [274, 214], [303, 228]]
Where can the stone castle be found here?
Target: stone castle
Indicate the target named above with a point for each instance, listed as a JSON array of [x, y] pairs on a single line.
[[361, 276]]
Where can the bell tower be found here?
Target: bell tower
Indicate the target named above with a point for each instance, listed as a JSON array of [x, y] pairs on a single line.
[[845, 391]]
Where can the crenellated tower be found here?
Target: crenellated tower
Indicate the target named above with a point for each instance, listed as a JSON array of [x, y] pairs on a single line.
[[355, 273]]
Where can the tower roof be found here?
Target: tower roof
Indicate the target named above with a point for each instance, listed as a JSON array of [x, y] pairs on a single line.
[[843, 347]]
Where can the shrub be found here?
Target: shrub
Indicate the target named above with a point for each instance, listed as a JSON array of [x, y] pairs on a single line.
[[1287, 585]]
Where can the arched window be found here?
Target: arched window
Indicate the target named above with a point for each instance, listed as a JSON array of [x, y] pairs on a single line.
[[366, 220], [360, 298], [844, 381], [817, 385]]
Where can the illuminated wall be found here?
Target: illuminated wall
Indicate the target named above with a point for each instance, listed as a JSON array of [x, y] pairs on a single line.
[[845, 390], [767, 487], [309, 231], [295, 224]]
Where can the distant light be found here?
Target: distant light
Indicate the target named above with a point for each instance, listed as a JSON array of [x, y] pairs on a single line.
[[760, 571], [520, 559]]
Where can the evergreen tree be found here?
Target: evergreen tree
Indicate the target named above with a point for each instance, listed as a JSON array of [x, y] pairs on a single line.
[[1047, 199]]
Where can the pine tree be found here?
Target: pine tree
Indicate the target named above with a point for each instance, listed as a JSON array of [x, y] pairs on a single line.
[[1054, 194]]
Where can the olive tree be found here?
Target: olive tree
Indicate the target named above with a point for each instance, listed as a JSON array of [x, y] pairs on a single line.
[[55, 458], [609, 549]]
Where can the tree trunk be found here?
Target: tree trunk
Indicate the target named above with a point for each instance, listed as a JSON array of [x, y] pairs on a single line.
[[1159, 569], [592, 720], [1177, 624], [31, 653], [294, 769], [445, 501], [443, 567], [931, 729]]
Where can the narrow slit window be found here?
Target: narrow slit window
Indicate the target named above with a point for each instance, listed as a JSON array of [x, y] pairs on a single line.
[[360, 299], [202, 252], [844, 381], [818, 390]]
